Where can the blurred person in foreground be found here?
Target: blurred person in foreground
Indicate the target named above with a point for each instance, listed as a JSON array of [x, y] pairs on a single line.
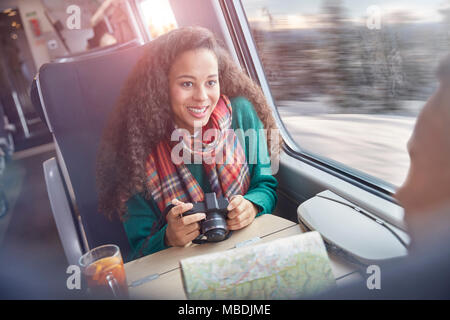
[[425, 196]]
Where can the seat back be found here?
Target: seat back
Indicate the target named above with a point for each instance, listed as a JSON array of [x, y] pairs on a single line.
[[77, 98], [101, 51]]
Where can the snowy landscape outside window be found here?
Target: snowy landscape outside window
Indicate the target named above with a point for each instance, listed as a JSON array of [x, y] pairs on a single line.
[[350, 77]]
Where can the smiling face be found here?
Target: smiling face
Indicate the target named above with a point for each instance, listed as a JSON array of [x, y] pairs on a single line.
[[194, 88]]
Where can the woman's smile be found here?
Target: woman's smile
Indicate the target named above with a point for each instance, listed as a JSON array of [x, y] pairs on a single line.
[[198, 111]]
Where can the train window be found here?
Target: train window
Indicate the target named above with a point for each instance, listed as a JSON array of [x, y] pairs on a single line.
[[348, 78], [157, 17]]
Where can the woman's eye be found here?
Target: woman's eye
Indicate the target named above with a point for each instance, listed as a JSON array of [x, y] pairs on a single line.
[[187, 84], [212, 83]]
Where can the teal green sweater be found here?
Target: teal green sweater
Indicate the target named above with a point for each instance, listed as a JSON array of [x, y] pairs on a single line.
[[141, 214]]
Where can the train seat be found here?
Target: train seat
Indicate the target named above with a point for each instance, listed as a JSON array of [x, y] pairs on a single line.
[[76, 97]]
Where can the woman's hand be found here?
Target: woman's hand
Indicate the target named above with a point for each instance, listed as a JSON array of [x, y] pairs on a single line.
[[182, 230], [241, 213]]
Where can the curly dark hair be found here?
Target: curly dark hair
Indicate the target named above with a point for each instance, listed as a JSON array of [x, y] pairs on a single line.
[[143, 116]]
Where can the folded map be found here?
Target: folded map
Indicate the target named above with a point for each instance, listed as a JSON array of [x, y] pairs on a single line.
[[286, 268]]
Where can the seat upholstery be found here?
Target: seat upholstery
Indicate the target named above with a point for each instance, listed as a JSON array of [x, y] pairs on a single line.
[[78, 97]]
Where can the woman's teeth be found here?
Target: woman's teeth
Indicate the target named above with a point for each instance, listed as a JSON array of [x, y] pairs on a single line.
[[196, 110]]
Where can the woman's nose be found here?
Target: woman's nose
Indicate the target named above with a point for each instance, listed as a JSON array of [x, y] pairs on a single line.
[[200, 94]]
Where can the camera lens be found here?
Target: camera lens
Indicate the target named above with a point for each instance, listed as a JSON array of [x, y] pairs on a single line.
[[216, 235], [214, 227]]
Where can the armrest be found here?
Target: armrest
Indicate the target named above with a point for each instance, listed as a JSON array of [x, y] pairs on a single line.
[[62, 213]]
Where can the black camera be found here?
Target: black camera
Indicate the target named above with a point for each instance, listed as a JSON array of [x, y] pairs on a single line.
[[214, 226]]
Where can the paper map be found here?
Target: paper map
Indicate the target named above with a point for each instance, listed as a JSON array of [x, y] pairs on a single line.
[[286, 268]]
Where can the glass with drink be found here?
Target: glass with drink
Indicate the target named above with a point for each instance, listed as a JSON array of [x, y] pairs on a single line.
[[105, 273]]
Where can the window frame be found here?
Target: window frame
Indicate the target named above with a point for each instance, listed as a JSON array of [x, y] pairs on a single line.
[[243, 41], [134, 23], [139, 17]]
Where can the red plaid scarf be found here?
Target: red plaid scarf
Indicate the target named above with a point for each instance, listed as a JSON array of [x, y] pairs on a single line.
[[167, 180]]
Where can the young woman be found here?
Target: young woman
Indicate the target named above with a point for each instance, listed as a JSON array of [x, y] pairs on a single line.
[[186, 82]]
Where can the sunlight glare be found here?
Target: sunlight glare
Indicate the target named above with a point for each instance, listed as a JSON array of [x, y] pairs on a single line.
[[158, 17]]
